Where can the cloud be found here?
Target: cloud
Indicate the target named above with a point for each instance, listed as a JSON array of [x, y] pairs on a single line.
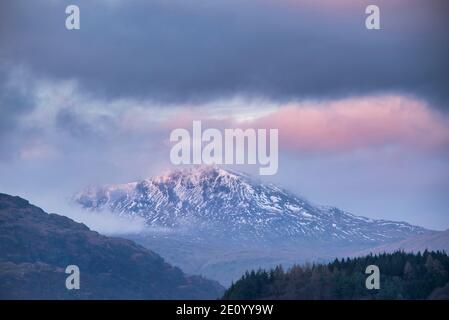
[[37, 150], [185, 50], [336, 126], [105, 222], [15, 103], [357, 123]]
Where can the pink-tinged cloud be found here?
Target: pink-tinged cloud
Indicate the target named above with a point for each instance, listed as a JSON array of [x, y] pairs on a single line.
[[37, 150], [355, 123]]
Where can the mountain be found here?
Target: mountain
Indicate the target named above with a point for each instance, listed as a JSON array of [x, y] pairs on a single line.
[[36, 247], [220, 223], [232, 204], [431, 241]]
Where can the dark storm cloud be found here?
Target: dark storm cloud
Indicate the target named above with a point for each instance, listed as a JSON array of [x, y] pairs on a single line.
[[174, 51]]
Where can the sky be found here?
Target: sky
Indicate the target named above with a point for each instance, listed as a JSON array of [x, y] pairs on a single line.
[[363, 115]]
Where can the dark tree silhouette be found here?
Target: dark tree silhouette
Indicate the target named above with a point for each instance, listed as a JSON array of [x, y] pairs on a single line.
[[402, 276]]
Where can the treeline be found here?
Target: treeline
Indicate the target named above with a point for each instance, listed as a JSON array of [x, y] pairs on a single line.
[[402, 276]]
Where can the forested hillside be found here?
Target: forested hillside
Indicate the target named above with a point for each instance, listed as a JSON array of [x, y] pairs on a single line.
[[36, 247], [402, 276]]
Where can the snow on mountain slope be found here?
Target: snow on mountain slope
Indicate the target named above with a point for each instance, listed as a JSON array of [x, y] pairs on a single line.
[[234, 205]]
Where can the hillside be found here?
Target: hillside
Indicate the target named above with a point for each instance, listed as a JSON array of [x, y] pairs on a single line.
[[402, 276], [36, 247]]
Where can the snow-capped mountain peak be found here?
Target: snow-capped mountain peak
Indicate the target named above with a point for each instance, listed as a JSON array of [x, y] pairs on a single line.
[[231, 204]]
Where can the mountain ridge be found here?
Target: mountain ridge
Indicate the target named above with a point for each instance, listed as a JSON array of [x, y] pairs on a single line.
[[432, 241], [235, 203], [36, 247]]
